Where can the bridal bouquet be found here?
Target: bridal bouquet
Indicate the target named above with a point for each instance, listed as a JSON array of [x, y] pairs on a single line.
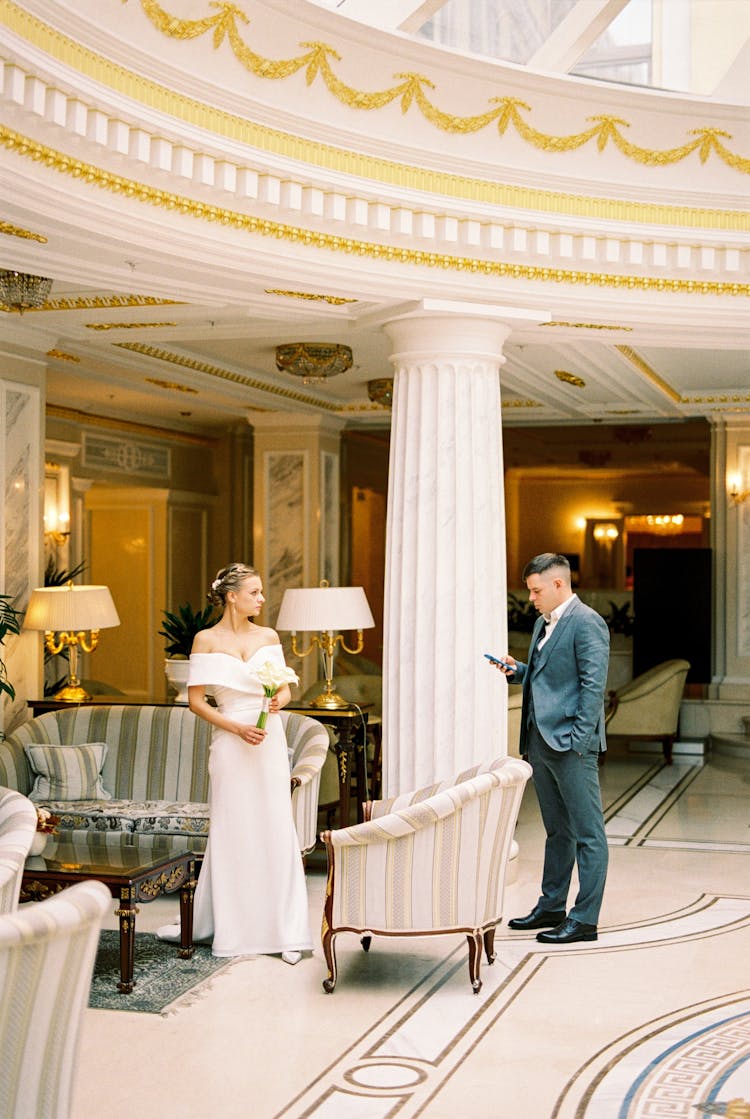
[[273, 676]]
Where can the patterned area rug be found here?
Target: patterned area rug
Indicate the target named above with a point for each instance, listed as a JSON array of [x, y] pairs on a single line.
[[163, 982]]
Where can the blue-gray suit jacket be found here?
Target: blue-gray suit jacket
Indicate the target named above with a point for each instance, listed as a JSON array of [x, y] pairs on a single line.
[[567, 678]]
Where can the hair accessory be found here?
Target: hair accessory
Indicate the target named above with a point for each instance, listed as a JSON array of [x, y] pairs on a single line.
[[215, 584]]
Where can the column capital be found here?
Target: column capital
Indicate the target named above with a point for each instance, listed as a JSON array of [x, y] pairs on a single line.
[[431, 327]]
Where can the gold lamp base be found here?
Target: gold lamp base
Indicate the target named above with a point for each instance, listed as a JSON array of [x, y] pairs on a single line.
[[329, 701], [72, 693]]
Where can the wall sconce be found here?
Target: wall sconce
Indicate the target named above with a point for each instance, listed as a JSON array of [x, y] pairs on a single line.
[[65, 614], [323, 610], [56, 503], [737, 495], [606, 533]]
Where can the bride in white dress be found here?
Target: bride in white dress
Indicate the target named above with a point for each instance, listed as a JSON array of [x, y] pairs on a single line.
[[251, 896]]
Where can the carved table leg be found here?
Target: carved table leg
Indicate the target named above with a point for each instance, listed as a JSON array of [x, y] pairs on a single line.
[[186, 913], [126, 912]]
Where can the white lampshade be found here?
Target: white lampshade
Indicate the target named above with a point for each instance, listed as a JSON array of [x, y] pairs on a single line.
[[70, 609], [319, 609]]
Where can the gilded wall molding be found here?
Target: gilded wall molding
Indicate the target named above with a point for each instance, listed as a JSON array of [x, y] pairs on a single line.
[[412, 90], [333, 300], [125, 325], [587, 325], [371, 250], [89, 419], [342, 161]]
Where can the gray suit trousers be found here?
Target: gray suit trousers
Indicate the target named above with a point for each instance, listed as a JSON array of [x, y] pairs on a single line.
[[567, 787]]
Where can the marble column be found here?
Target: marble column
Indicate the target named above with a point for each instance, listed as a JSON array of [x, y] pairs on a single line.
[[444, 707]]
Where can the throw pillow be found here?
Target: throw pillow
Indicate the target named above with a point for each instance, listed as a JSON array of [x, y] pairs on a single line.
[[68, 772]]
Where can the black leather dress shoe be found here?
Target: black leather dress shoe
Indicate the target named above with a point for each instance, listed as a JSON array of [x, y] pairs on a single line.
[[537, 919], [568, 932]]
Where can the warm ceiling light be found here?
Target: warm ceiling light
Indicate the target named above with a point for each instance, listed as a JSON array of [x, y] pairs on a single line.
[[380, 391], [21, 292], [314, 362]]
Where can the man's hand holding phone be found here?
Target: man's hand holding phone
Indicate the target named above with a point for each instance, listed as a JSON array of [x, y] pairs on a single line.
[[506, 664]]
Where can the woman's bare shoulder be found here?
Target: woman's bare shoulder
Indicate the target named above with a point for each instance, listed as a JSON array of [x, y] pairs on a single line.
[[205, 641], [270, 636]]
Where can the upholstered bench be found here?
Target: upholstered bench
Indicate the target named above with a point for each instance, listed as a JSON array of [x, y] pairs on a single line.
[[141, 769]]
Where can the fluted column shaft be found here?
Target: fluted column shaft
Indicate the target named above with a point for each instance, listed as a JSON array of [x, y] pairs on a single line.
[[445, 604]]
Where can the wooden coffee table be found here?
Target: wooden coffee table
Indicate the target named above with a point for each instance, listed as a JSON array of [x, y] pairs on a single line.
[[133, 871]]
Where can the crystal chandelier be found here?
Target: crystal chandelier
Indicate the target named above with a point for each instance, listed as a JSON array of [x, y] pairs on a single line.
[[380, 391], [314, 362], [20, 292]]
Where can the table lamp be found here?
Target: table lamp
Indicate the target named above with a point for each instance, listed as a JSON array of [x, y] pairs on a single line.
[[323, 611], [66, 614]]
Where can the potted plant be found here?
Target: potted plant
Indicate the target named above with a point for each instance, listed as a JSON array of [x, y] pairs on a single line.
[[179, 629], [9, 623]]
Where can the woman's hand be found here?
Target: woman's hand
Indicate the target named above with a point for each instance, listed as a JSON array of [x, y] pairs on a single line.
[[273, 704], [251, 734]]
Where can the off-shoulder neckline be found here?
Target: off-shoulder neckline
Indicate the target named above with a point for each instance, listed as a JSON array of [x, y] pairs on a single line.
[[220, 653]]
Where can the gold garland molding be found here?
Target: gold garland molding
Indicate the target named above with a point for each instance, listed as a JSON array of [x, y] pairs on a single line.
[[150, 93], [125, 325], [333, 300], [643, 367], [11, 230], [225, 374], [412, 90], [168, 200]]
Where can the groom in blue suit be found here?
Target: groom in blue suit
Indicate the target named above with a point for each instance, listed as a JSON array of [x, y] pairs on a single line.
[[562, 733]]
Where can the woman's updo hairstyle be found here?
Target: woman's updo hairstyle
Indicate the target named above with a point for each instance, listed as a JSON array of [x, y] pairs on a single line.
[[230, 578]]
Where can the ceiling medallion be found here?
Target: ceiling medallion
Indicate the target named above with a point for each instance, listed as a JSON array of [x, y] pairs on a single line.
[[314, 362], [20, 292], [380, 391]]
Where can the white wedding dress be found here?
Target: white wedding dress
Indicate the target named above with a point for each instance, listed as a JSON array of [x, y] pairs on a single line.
[[251, 896]]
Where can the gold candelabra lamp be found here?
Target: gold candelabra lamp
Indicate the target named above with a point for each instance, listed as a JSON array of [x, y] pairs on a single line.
[[71, 618], [322, 611]]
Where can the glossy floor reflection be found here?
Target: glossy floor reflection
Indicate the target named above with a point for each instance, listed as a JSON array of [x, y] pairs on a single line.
[[651, 1021]]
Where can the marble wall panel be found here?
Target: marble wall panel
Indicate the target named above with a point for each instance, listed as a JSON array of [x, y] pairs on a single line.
[[329, 527], [20, 459], [285, 485]]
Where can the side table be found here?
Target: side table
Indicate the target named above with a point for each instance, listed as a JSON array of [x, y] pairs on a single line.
[[350, 747], [132, 873]]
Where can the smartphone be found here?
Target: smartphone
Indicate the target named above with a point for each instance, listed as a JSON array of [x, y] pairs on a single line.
[[496, 660]]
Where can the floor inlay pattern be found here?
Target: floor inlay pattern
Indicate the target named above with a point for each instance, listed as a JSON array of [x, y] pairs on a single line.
[[399, 1065]]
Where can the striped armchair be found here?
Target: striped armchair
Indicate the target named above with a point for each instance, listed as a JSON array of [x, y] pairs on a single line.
[[17, 828], [47, 953], [428, 862]]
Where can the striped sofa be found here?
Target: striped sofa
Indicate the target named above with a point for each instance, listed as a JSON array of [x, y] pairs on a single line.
[[156, 769], [427, 862], [17, 829]]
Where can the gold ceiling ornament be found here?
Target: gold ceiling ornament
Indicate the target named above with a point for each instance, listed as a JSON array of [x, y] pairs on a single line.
[[314, 362], [520, 404], [412, 89], [17, 231], [334, 300], [380, 391], [20, 291], [397, 254], [60, 355], [725, 398], [570, 378], [643, 367], [125, 325], [150, 93], [174, 386], [588, 325], [225, 374]]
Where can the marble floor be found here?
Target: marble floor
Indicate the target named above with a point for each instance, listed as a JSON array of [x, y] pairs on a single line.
[[652, 1021]]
